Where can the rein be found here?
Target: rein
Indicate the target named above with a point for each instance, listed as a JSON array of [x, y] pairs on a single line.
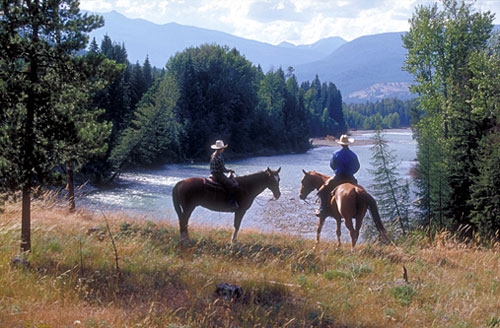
[[305, 201], [256, 200]]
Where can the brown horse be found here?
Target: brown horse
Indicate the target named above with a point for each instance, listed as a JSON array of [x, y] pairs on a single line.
[[192, 192], [348, 201]]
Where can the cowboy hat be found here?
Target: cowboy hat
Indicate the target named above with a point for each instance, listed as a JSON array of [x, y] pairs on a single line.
[[344, 140], [219, 144]]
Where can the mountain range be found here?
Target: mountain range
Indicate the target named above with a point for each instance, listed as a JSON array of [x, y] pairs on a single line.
[[365, 69]]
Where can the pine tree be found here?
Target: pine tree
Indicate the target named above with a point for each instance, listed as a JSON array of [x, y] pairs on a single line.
[[485, 189], [147, 72], [389, 189], [441, 43], [153, 136], [39, 44], [217, 98]]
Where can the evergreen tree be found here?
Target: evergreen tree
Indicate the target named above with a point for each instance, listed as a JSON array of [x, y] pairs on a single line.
[[335, 111], [153, 136], [272, 96], [116, 99], [313, 102], [296, 117], [485, 189], [392, 113], [217, 97], [440, 45], [39, 44], [138, 85], [94, 47], [81, 134], [147, 72], [391, 192]]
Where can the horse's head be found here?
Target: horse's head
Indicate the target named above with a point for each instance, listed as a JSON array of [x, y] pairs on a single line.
[[274, 182], [311, 180]]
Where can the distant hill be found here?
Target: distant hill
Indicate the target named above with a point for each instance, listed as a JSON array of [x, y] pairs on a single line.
[[365, 69], [160, 42]]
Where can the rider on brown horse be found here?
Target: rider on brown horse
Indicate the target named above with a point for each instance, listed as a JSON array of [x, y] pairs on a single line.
[[344, 164], [218, 172]]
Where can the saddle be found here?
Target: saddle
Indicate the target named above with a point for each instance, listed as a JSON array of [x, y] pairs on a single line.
[[213, 185], [210, 183]]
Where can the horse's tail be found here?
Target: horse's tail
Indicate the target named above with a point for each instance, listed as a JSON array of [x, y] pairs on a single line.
[[175, 199], [372, 205]]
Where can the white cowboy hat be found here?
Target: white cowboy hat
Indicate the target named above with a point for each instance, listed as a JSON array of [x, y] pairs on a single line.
[[219, 144], [344, 140]]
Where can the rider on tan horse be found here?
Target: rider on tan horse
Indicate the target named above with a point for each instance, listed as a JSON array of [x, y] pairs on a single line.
[[344, 164], [218, 172], [349, 202]]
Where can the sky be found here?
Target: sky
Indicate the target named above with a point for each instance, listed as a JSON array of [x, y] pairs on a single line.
[[275, 21]]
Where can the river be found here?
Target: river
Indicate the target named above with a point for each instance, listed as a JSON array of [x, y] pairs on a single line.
[[146, 194]]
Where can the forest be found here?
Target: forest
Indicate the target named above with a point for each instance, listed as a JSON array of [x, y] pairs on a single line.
[[194, 99], [71, 106], [173, 114]]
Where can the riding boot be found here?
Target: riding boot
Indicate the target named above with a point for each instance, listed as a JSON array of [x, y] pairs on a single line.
[[231, 200], [320, 212]]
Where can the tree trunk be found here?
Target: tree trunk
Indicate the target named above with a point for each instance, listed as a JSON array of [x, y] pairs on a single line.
[[70, 187], [26, 220]]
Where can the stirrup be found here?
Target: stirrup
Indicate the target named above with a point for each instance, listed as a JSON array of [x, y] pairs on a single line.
[[320, 212], [233, 206]]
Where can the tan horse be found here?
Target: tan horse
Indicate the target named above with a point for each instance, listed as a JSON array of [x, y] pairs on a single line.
[[193, 192], [348, 201]]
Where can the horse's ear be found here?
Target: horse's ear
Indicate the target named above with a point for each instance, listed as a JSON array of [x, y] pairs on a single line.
[[304, 171], [278, 170]]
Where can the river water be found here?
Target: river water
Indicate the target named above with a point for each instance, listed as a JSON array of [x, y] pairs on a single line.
[[146, 194]]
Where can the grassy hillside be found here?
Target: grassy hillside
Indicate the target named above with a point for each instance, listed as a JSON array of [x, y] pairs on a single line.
[[80, 274]]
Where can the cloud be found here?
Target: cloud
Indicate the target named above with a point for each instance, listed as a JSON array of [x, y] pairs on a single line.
[[266, 12], [274, 21]]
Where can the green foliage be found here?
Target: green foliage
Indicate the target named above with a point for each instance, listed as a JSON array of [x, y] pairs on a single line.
[[324, 102], [46, 119], [403, 294], [280, 118], [391, 192], [445, 47], [121, 97], [153, 134], [217, 94], [385, 114], [486, 188], [493, 322], [431, 174], [210, 93]]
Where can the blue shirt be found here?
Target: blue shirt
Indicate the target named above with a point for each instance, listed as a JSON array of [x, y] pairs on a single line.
[[344, 162]]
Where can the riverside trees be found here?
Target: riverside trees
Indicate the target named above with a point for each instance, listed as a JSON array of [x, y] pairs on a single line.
[[45, 85], [455, 60], [212, 92]]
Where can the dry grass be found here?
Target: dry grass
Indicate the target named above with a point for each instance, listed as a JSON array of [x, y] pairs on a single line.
[[72, 279]]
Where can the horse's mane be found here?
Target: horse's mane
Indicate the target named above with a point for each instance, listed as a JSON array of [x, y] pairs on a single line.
[[249, 177], [318, 173]]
